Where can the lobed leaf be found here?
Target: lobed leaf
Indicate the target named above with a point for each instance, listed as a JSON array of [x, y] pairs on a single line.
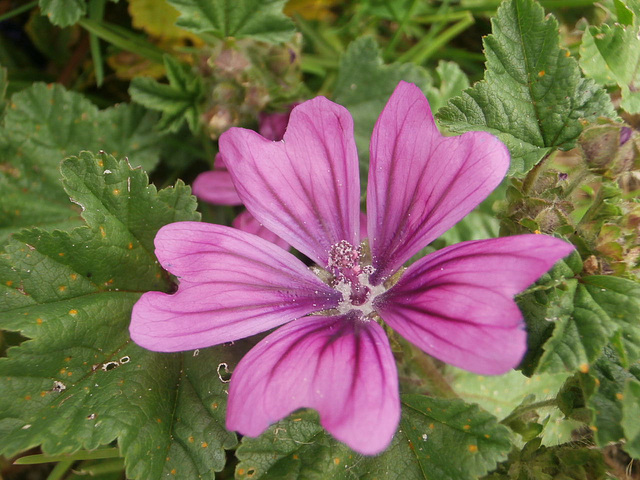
[[611, 56], [42, 125], [443, 439], [533, 96], [178, 101], [79, 382], [259, 19]]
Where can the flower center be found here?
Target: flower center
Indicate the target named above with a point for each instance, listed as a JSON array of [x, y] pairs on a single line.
[[351, 278]]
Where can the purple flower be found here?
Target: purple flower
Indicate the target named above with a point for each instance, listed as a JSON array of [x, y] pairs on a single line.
[[331, 353], [216, 186]]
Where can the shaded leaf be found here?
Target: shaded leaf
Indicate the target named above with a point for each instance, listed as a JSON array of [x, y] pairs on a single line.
[[43, 125], [79, 382], [533, 95], [437, 439], [259, 19], [609, 379], [611, 56], [630, 416], [178, 101], [365, 84]]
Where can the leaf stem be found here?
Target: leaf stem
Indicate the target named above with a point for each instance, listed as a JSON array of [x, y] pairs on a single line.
[[81, 455], [60, 470], [398, 33], [96, 12], [432, 374], [522, 409], [18, 11], [534, 173]]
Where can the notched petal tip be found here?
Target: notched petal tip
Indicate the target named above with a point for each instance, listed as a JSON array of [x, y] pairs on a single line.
[[343, 369]]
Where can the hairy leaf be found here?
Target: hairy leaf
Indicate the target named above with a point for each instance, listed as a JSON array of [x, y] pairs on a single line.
[[44, 124], [443, 439], [533, 96], [79, 382], [611, 56], [178, 101], [259, 19]]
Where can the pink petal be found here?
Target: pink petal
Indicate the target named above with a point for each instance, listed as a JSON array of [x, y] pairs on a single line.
[[457, 303], [273, 125], [421, 183], [247, 223], [341, 366], [232, 285], [216, 186], [305, 188]]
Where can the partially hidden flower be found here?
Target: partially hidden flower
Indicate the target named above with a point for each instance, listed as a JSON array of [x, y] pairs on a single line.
[[330, 352], [216, 185]]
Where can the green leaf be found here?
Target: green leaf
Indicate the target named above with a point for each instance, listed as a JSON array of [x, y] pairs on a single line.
[[63, 12], [178, 101], [501, 394], [565, 462], [452, 81], [79, 382], [630, 416], [43, 125], [605, 309], [438, 439], [624, 13], [4, 82], [533, 95], [606, 403], [259, 19], [365, 84], [611, 56]]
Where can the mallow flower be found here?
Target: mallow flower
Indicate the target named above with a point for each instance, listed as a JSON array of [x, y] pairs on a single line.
[[216, 185], [330, 352]]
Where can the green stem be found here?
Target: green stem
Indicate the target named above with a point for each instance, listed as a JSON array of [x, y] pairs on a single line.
[[60, 470], [18, 11], [398, 33], [81, 455], [321, 44], [122, 39], [575, 183], [430, 372], [534, 173], [519, 411], [96, 13]]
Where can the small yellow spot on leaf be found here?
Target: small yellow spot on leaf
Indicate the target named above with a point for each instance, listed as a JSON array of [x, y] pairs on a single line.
[[74, 276], [62, 288], [241, 471], [295, 457], [116, 191], [336, 461], [27, 397], [69, 374], [473, 448], [102, 231], [130, 246], [173, 471], [467, 427], [204, 444], [214, 405], [619, 396], [191, 439], [584, 368], [8, 283], [486, 435], [61, 254], [431, 426], [159, 420], [39, 321], [43, 393], [541, 73], [100, 163], [594, 428], [67, 359], [73, 312]]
